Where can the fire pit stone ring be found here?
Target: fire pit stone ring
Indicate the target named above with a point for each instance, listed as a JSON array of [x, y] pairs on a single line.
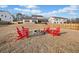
[[36, 32]]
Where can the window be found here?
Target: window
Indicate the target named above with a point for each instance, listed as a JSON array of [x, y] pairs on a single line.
[[61, 22], [0, 19], [55, 22], [5, 16], [10, 17], [1, 15], [64, 22]]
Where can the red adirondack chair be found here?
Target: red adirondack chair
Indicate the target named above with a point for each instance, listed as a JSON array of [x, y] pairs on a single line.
[[25, 32], [47, 29], [54, 32], [22, 33]]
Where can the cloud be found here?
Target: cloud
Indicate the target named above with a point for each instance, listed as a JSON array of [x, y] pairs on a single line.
[[19, 9], [3, 6], [70, 10], [30, 6], [33, 11]]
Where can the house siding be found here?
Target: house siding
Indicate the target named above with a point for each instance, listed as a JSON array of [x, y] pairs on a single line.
[[5, 16]]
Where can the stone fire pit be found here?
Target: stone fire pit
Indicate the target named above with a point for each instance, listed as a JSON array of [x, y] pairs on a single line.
[[36, 32]]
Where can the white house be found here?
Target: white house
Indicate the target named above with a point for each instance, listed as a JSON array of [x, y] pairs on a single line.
[[57, 20], [6, 16]]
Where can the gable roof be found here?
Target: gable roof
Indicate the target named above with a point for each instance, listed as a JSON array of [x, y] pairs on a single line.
[[37, 16]]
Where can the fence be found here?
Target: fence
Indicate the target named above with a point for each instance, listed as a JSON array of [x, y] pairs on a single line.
[[66, 26]]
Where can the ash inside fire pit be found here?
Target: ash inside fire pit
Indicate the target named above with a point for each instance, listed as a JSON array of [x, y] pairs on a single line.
[[37, 32]]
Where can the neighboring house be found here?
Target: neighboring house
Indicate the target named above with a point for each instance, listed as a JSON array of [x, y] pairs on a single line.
[[37, 18], [6, 16], [57, 20], [28, 18]]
